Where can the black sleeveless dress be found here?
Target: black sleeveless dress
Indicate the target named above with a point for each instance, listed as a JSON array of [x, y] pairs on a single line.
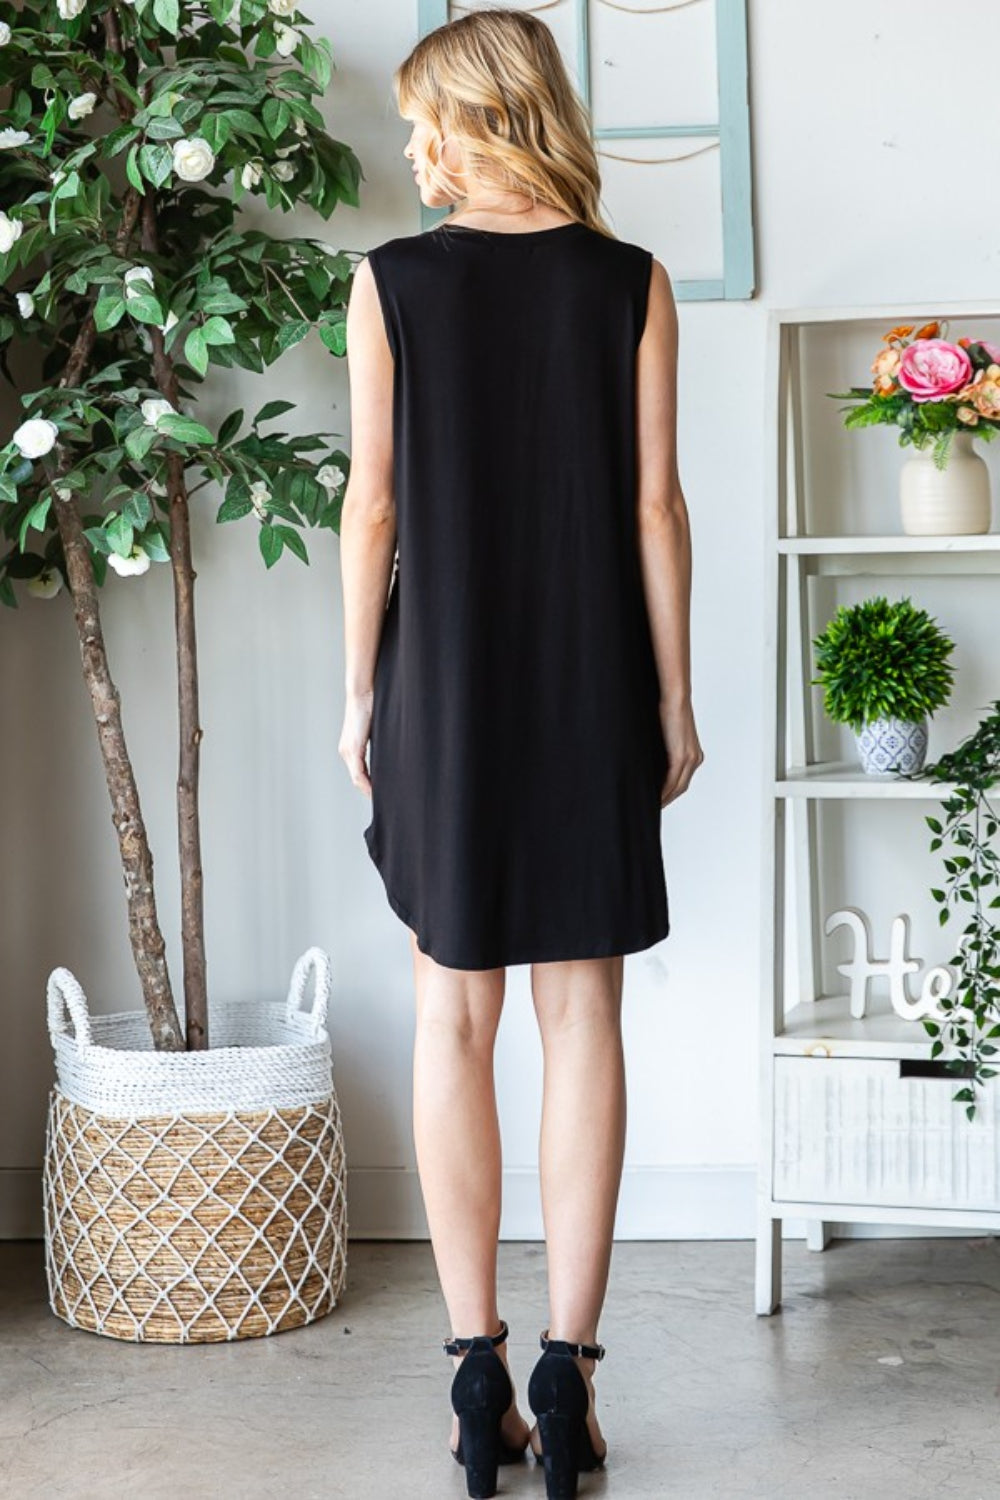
[[515, 753]]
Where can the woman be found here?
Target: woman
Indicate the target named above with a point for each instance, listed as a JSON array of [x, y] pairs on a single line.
[[524, 696]]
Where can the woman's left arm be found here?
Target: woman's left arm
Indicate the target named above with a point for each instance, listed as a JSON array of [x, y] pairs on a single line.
[[368, 515]]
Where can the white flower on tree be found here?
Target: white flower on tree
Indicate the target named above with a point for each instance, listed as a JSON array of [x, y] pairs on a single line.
[[36, 437], [4, 33], [136, 562], [259, 496], [10, 230], [25, 304], [281, 7], [282, 171], [251, 174], [155, 408], [329, 476], [9, 138], [133, 276], [46, 584], [193, 158], [69, 9], [82, 106], [286, 38]]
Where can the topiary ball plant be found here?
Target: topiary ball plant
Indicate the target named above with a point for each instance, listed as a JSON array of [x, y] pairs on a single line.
[[883, 667]]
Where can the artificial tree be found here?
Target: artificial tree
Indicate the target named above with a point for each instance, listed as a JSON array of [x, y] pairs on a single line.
[[130, 132]]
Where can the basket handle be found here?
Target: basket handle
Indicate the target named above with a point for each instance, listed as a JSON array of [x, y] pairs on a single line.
[[316, 962], [65, 1002]]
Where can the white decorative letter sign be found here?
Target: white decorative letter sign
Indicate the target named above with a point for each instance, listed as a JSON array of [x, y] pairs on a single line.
[[937, 982]]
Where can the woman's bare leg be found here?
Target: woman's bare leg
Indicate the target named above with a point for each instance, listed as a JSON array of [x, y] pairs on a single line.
[[456, 1134], [582, 1144]]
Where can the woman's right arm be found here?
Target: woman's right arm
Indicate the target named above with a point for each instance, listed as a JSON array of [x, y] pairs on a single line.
[[368, 515], [664, 532]]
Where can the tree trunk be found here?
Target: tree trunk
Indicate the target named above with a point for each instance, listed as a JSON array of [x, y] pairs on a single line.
[[189, 730], [136, 855], [145, 935]]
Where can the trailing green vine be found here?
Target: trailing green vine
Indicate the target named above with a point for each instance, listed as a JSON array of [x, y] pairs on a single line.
[[972, 864]]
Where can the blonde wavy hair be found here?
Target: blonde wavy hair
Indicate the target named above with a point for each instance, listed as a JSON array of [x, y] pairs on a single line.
[[495, 80]]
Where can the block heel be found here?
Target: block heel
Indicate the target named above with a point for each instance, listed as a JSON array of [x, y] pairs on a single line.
[[558, 1397], [481, 1392]]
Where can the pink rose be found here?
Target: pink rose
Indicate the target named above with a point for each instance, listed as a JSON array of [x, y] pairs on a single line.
[[932, 368]]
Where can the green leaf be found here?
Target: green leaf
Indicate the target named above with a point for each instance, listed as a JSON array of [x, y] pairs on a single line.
[[292, 333], [234, 507], [164, 130], [157, 163], [167, 13], [276, 116], [271, 543], [196, 350], [139, 441], [118, 139], [120, 534], [109, 309], [132, 170], [233, 422], [293, 541], [185, 429], [218, 331], [138, 509], [154, 539], [35, 518], [334, 335], [273, 409], [145, 308]]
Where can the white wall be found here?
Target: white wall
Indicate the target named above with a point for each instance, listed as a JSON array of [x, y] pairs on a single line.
[[872, 182]]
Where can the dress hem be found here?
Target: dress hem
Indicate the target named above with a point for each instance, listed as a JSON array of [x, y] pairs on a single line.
[[596, 950]]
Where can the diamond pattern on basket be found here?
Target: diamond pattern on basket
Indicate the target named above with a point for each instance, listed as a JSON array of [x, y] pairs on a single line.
[[194, 1227]]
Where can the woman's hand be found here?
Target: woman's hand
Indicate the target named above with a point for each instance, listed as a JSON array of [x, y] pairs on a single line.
[[354, 738], [684, 752]]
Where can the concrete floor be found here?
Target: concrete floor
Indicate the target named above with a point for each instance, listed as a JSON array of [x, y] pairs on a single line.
[[877, 1381]]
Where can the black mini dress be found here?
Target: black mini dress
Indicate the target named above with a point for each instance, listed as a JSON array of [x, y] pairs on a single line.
[[516, 753]]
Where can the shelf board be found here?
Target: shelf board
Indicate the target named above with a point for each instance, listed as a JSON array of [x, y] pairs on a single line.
[[986, 541], [826, 1028], [885, 555], [844, 778]]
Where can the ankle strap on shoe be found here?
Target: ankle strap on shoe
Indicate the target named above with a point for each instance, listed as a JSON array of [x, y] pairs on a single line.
[[563, 1346], [460, 1346]]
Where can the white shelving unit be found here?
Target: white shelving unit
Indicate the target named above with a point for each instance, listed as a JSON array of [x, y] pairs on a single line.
[[858, 1124]]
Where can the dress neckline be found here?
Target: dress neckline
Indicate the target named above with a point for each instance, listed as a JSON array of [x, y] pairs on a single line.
[[512, 234]]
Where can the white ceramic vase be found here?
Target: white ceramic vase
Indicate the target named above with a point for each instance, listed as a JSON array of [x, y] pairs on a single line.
[[953, 501]]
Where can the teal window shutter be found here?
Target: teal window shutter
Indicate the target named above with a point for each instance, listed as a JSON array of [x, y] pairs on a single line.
[[730, 133]]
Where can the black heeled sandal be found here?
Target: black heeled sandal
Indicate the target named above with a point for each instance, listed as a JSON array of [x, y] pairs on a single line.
[[481, 1393], [558, 1396]]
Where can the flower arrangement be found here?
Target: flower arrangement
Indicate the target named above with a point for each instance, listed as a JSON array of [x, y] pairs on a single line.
[[132, 132], [929, 388]]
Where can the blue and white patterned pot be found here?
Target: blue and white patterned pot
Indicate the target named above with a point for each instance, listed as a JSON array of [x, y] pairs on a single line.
[[893, 745]]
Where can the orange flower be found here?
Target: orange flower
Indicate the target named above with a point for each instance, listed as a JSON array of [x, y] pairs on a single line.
[[884, 367], [901, 332], [929, 331]]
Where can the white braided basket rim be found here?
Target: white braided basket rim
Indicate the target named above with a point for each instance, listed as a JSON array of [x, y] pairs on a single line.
[[285, 1061]]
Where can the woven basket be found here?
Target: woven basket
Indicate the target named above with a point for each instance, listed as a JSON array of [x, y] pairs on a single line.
[[195, 1197]]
